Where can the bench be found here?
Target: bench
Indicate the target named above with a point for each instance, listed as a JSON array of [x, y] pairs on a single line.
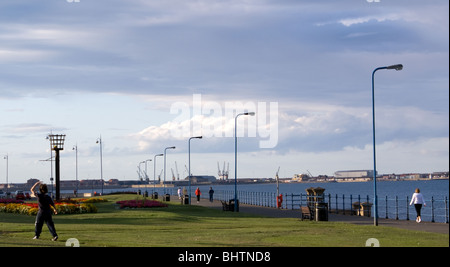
[[306, 213], [226, 206], [230, 205]]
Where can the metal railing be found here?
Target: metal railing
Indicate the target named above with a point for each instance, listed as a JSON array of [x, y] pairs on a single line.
[[388, 207]]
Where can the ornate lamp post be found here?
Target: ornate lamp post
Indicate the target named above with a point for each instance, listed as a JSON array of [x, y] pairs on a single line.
[[57, 144]]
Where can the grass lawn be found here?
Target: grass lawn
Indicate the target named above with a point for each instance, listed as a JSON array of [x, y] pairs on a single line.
[[193, 226]]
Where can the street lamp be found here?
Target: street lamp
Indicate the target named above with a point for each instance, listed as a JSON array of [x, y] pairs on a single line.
[[375, 199], [164, 183], [99, 141], [57, 144], [189, 162], [140, 172], [146, 175], [75, 147], [236, 207], [7, 165], [154, 170]]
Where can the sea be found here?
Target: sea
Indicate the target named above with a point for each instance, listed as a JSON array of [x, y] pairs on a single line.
[[401, 188], [435, 188]]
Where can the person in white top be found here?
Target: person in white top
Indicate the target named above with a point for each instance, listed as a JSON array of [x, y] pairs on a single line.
[[418, 200]]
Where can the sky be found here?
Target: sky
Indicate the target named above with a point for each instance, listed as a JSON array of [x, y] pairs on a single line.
[[146, 74]]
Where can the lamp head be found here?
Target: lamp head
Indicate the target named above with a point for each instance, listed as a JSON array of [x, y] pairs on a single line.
[[250, 113], [395, 67]]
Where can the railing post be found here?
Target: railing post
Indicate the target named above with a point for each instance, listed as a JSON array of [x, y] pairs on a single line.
[[351, 205], [407, 208], [446, 210], [432, 209], [292, 201], [396, 208], [329, 203], [343, 204], [387, 215], [337, 210]]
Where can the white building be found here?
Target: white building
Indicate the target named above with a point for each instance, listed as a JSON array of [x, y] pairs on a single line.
[[354, 174]]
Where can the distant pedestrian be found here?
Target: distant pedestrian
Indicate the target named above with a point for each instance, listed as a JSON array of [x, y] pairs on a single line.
[[46, 207], [198, 194], [211, 194], [418, 200], [179, 193]]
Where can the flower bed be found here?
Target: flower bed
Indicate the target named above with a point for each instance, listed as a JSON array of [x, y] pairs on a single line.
[[33, 208], [140, 204]]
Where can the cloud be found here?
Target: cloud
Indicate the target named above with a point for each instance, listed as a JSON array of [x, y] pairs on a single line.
[[314, 58], [354, 21], [23, 55], [34, 128]]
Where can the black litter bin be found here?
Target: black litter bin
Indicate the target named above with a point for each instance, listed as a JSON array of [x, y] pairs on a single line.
[[321, 211], [232, 205], [186, 199], [166, 197], [155, 195]]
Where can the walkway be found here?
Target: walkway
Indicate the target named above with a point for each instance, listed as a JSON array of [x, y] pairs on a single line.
[[441, 228]]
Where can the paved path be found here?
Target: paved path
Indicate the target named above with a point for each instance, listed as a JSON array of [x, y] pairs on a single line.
[[441, 228]]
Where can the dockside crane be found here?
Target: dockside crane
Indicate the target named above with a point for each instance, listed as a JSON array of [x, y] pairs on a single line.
[[178, 174], [159, 176], [278, 181], [228, 170], [186, 169], [223, 174], [219, 171]]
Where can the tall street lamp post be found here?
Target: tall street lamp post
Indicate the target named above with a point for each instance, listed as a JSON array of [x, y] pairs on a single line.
[[165, 152], [236, 206], [147, 180], [75, 147], [7, 165], [57, 144], [99, 141], [375, 198], [189, 162], [154, 170]]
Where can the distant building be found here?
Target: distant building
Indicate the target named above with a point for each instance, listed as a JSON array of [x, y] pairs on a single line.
[[301, 178], [354, 174], [201, 179]]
